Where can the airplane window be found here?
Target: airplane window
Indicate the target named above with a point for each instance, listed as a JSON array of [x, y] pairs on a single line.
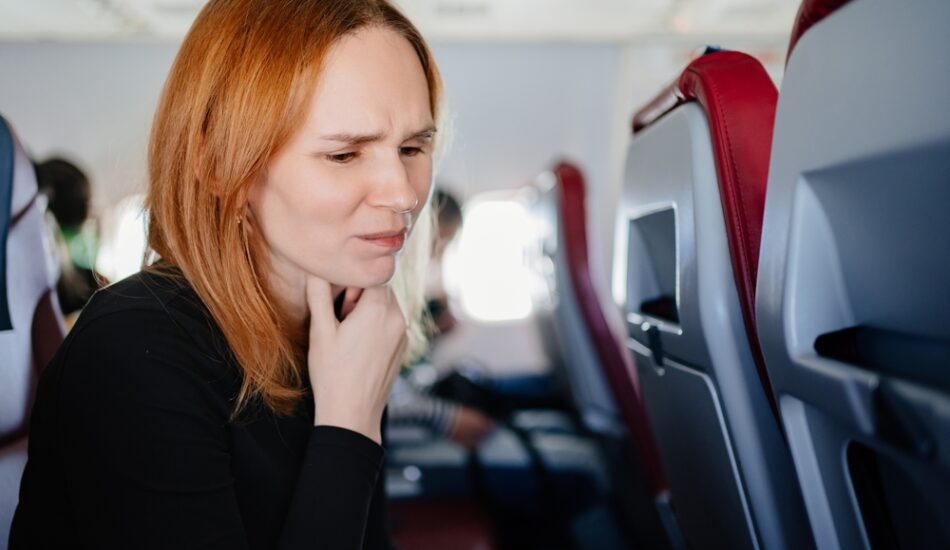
[[123, 245], [485, 268]]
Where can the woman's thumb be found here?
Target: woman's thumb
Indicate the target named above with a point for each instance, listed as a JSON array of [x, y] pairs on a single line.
[[320, 302]]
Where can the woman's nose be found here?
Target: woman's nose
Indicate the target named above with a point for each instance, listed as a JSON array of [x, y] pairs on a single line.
[[391, 186]]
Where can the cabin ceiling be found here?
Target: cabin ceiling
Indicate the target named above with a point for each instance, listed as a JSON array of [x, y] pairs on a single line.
[[440, 20]]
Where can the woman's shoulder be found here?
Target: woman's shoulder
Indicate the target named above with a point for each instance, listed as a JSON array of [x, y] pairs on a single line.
[[147, 301], [148, 290], [147, 328]]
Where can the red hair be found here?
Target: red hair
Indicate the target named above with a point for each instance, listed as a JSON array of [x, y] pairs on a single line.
[[236, 93]]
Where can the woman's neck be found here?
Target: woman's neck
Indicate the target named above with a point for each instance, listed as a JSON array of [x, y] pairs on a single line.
[[288, 286]]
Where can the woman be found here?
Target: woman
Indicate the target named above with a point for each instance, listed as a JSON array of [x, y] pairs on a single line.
[[231, 395]]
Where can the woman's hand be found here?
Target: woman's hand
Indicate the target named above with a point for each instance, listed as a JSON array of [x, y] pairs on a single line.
[[353, 362]]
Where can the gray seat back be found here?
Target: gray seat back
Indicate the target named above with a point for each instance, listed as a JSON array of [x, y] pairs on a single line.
[[730, 475], [853, 297]]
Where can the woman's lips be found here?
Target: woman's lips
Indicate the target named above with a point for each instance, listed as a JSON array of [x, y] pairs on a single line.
[[392, 240]]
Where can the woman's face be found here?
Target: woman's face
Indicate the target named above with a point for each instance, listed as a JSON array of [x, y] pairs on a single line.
[[338, 200]]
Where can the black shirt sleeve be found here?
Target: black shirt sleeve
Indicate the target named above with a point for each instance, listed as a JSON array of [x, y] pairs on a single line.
[[378, 524], [336, 485], [147, 458]]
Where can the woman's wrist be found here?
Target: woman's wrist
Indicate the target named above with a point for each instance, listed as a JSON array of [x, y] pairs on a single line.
[[365, 427]]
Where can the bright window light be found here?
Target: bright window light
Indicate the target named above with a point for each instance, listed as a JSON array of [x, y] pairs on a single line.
[[486, 268], [123, 248]]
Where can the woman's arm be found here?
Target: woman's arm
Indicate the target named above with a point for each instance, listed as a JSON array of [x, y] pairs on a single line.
[[334, 492], [146, 446]]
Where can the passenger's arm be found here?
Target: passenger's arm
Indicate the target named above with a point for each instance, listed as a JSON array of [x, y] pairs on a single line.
[[145, 441], [334, 492], [148, 455]]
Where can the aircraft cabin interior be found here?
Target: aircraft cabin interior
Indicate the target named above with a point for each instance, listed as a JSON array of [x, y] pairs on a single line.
[[689, 284]]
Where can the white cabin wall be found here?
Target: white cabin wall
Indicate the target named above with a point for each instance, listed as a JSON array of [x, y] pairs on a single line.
[[515, 110], [92, 102]]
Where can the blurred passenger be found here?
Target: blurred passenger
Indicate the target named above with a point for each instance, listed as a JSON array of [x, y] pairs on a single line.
[[410, 403], [448, 222], [68, 194], [231, 394]]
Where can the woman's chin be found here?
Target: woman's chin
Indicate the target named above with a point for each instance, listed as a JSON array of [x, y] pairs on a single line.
[[375, 273], [359, 274]]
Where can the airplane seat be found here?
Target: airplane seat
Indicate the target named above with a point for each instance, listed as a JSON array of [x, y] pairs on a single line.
[[587, 349], [567, 341], [687, 250], [853, 304], [31, 327], [615, 364]]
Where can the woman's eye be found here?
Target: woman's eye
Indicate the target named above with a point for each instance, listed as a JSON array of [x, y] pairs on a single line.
[[410, 151], [341, 158]]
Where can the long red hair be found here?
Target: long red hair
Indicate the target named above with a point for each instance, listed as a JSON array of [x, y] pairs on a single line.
[[236, 93]]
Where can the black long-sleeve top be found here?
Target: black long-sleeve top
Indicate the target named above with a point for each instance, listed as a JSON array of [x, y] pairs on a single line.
[[132, 443]]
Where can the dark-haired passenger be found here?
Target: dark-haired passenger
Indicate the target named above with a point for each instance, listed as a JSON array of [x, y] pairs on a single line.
[[68, 194]]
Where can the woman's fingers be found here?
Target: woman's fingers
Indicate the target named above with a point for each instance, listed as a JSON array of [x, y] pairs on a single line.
[[320, 301], [372, 303], [350, 298], [354, 361]]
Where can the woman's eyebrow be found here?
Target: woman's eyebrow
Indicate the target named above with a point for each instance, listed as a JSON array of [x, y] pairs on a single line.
[[427, 133], [352, 139], [358, 139]]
